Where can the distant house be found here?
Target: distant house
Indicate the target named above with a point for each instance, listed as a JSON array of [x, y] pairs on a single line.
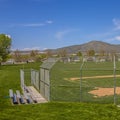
[[89, 59], [119, 59], [70, 59], [8, 62], [102, 60], [76, 58], [65, 59]]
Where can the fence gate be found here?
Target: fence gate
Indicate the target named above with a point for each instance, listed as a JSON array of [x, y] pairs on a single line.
[[35, 76], [45, 83]]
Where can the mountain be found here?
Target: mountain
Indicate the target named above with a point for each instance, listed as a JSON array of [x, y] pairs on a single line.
[[97, 46]]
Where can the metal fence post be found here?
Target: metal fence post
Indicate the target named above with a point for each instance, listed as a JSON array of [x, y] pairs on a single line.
[[114, 73], [81, 81]]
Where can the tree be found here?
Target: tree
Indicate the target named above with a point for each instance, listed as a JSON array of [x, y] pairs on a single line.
[[5, 44], [91, 52], [0, 60], [48, 53], [79, 54], [17, 56], [62, 53], [38, 58], [33, 54], [113, 53], [102, 53]]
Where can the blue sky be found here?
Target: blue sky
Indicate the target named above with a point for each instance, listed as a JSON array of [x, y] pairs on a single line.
[[41, 24]]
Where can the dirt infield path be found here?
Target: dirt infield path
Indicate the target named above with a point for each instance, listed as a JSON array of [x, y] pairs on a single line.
[[92, 77], [100, 92]]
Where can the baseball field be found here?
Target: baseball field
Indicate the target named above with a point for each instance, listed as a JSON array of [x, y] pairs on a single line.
[[95, 82], [10, 78]]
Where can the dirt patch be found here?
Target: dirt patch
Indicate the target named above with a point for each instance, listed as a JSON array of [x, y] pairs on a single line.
[[91, 77], [101, 92]]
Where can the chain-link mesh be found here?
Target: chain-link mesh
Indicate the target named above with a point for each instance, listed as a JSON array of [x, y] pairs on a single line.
[[39, 79], [94, 82], [88, 82]]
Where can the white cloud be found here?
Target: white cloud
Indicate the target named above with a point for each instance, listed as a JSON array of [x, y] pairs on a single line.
[[26, 49], [116, 23], [110, 39], [100, 35], [117, 38], [33, 48], [45, 48], [33, 24], [111, 35], [49, 22], [60, 35], [8, 36]]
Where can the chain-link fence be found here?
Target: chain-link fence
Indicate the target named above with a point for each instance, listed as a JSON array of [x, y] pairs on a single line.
[[25, 77], [88, 82], [39, 79], [35, 78]]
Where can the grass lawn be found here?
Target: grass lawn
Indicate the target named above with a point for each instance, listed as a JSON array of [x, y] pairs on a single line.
[[9, 78]]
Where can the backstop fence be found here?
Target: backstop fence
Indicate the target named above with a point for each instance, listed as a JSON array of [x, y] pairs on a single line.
[[76, 82]]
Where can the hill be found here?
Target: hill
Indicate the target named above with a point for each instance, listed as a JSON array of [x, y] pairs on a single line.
[[97, 46]]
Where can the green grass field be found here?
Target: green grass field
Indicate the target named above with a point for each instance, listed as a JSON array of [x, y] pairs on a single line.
[[65, 89], [9, 78]]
